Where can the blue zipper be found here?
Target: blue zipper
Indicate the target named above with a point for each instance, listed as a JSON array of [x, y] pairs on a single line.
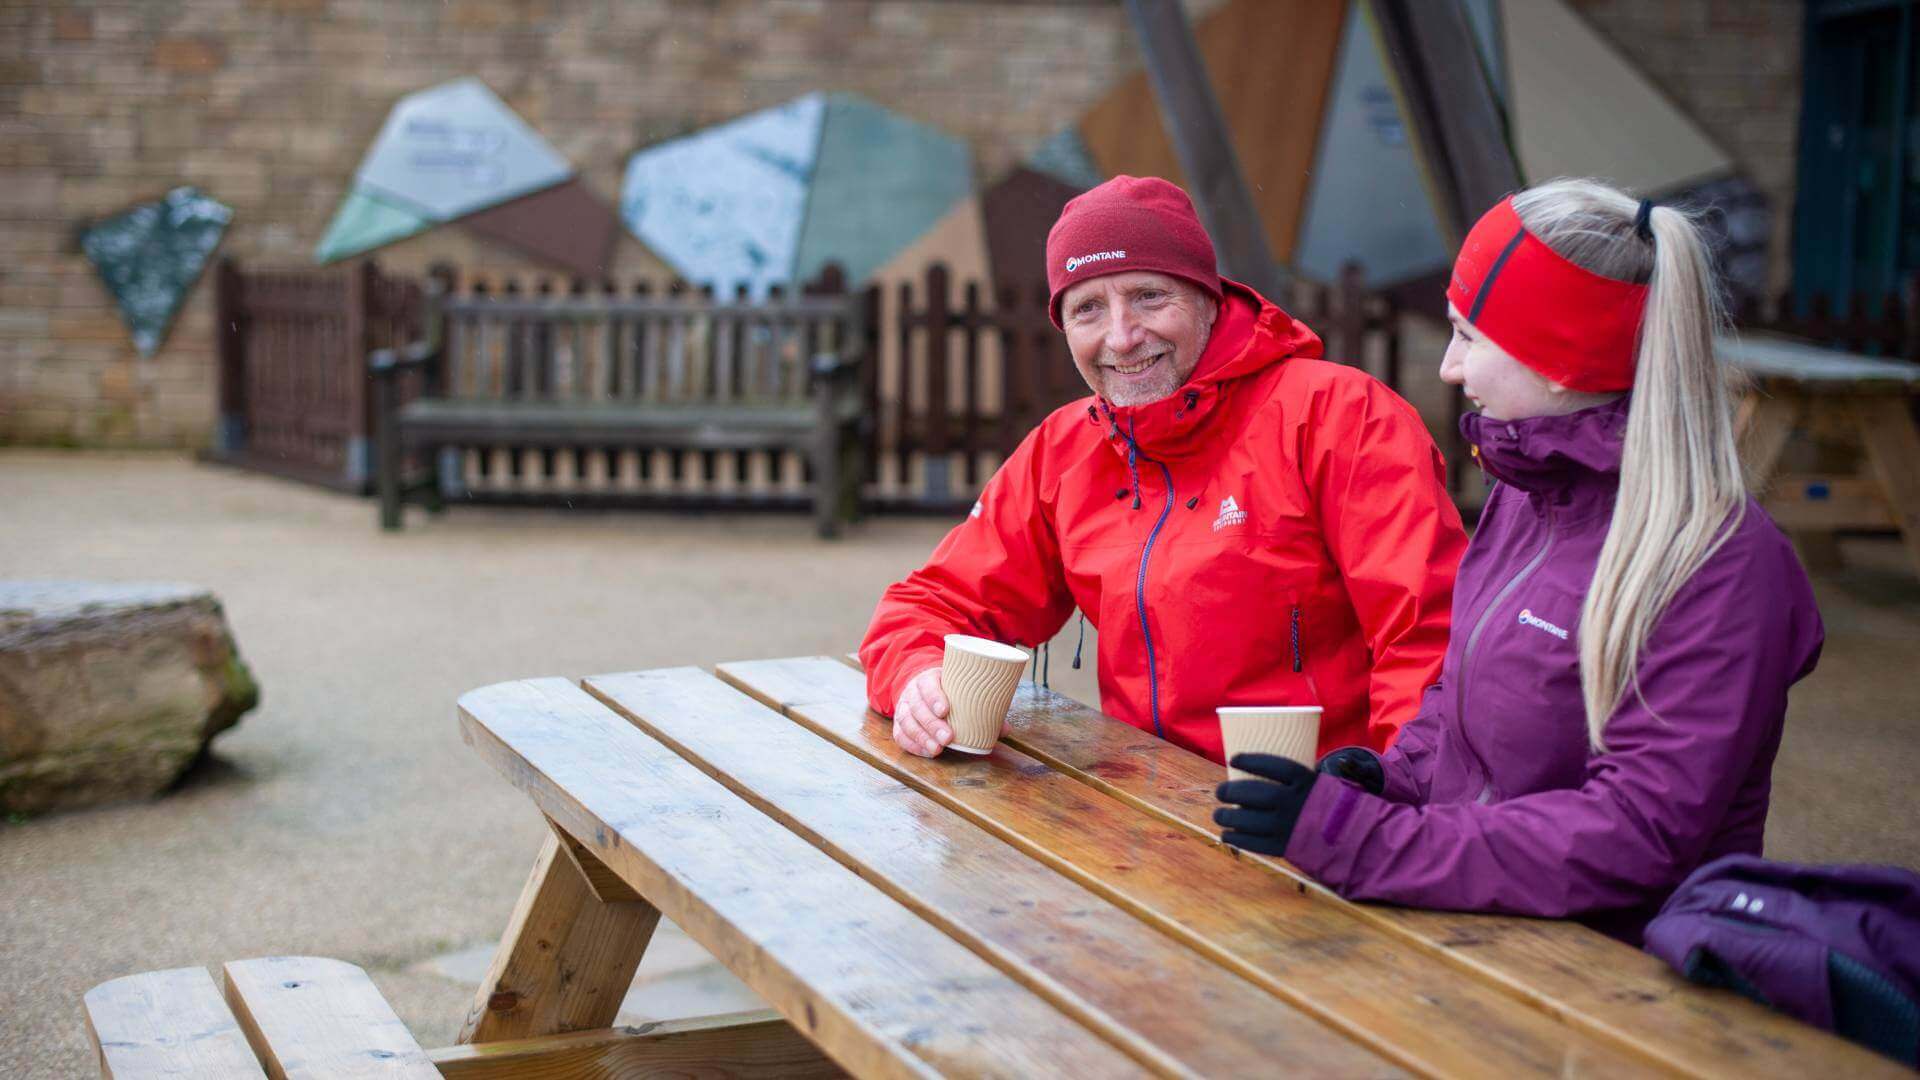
[[1140, 600]]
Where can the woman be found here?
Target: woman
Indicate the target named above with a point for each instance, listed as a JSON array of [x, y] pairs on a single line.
[[1626, 622]]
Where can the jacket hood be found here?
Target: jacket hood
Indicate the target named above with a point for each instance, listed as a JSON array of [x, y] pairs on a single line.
[[1250, 334], [1559, 458]]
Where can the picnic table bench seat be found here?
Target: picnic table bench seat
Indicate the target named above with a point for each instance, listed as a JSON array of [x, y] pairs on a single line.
[[318, 1019]]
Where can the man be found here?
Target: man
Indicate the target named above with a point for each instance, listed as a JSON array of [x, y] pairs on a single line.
[[1243, 522]]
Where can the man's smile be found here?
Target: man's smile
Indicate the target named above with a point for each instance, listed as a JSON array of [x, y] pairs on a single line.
[[1137, 366]]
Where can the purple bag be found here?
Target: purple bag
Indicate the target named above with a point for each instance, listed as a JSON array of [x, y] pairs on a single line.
[[1835, 946]]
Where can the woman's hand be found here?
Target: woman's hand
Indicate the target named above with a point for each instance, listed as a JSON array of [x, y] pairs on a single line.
[[1261, 814], [1358, 764]]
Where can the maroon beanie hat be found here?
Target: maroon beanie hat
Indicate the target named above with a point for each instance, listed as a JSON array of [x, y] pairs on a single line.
[[1128, 223]]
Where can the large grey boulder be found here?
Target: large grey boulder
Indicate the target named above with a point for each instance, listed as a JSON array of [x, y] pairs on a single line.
[[110, 691]]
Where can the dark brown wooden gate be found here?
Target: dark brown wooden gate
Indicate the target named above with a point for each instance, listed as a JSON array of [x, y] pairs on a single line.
[[293, 367]]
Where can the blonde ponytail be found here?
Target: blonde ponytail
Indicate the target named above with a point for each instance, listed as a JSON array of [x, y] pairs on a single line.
[[1681, 491]]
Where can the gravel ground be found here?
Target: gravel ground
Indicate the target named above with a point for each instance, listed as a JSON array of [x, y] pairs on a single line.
[[344, 817]]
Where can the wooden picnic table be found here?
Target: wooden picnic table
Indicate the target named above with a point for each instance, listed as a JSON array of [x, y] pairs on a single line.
[[1059, 907], [1802, 390]]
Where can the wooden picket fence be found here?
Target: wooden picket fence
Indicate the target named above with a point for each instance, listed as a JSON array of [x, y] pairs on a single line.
[[965, 370], [1886, 325]]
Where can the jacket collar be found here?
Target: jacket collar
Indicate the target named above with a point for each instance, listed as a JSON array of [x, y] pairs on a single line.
[[1571, 461], [1249, 334]]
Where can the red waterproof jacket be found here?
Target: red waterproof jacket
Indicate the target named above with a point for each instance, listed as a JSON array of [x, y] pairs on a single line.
[[1276, 532]]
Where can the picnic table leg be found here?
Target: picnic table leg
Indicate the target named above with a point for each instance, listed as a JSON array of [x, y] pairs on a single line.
[[569, 953], [1893, 451], [826, 485], [1763, 427], [386, 443]]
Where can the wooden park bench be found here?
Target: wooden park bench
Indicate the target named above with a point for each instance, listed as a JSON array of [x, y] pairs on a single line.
[[1060, 907], [610, 399]]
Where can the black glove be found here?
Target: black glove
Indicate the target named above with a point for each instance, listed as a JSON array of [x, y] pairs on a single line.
[[1263, 812], [1358, 764]]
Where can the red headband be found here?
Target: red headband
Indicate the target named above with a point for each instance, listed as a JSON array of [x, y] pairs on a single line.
[[1571, 325]]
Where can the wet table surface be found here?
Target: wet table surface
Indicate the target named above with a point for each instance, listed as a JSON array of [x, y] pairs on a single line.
[[1060, 906]]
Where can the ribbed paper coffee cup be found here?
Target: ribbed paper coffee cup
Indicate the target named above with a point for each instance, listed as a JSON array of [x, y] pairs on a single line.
[[1291, 731], [979, 677]]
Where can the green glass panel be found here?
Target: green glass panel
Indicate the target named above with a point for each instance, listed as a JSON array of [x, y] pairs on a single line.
[[150, 256], [880, 182], [363, 223]]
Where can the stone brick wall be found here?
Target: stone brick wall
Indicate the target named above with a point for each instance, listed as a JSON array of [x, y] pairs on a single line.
[[1734, 67], [268, 105]]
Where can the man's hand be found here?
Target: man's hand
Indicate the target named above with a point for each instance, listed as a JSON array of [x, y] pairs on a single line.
[[920, 716]]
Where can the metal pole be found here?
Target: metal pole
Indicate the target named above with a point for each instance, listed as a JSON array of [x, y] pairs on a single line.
[[1205, 147], [1458, 124]]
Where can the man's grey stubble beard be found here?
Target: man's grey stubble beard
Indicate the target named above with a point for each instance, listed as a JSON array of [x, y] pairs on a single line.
[[1166, 380]]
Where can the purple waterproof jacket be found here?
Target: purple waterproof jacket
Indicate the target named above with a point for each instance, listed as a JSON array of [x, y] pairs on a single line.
[[1835, 946], [1494, 800]]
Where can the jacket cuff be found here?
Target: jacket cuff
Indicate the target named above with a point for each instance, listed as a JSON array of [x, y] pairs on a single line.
[[1317, 844], [911, 665]]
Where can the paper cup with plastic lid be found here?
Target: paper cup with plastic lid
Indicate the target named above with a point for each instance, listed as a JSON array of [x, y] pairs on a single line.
[[979, 677], [1291, 731]]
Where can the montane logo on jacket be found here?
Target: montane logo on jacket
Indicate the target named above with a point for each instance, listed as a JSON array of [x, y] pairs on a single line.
[[1528, 618]]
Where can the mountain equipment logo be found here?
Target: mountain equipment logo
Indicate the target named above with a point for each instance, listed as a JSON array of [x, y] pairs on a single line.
[[1527, 618], [1079, 261], [1230, 514]]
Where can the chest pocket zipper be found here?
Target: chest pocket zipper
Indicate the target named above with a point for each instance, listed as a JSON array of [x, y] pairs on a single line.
[[1296, 637]]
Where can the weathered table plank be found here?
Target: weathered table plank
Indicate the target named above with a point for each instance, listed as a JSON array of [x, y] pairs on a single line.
[[1770, 356], [1401, 1002], [1174, 1010], [877, 988], [1588, 978], [311, 1018], [167, 1024], [1582, 977]]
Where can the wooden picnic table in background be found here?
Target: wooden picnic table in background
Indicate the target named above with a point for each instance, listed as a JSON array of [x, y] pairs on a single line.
[[1061, 906], [1858, 402]]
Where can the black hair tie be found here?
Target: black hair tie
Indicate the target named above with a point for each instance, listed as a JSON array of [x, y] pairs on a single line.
[[1643, 221]]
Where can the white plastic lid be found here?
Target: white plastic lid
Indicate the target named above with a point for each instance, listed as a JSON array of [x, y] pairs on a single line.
[[992, 650]]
